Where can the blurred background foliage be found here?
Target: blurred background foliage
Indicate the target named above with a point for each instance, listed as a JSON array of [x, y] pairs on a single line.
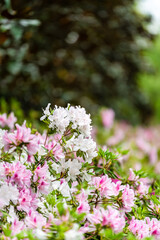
[[149, 82], [82, 52]]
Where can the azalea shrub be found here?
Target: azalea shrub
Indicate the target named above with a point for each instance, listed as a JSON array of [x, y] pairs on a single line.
[[59, 184], [139, 146]]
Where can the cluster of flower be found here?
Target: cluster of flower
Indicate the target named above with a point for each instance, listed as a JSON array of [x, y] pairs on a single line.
[[145, 228], [56, 185], [143, 141], [7, 122]]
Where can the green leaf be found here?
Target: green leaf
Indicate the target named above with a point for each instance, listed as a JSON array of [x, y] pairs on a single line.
[[155, 199], [7, 231], [61, 209]]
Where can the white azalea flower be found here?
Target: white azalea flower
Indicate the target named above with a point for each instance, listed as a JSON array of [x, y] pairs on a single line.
[[73, 234], [46, 112], [7, 193]]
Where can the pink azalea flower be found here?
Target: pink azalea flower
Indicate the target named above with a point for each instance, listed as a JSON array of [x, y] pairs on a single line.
[[96, 217], [139, 228], [143, 145], [7, 122], [40, 175], [55, 149], [142, 189], [83, 207], [154, 226], [113, 218], [108, 118], [32, 147], [128, 197], [35, 220], [116, 138], [132, 176], [27, 200], [31, 159], [17, 226], [153, 155], [43, 185], [11, 120], [22, 135], [3, 120], [82, 196], [103, 184], [87, 228], [109, 217], [40, 172], [116, 188], [17, 173]]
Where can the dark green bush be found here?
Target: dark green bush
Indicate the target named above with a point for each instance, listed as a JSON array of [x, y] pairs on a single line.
[[83, 52]]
